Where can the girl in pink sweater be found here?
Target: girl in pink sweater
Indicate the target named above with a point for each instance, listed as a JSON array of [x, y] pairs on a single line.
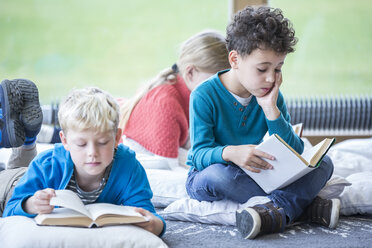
[[156, 121]]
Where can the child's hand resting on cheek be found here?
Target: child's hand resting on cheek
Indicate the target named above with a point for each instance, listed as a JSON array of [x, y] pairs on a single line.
[[268, 101]]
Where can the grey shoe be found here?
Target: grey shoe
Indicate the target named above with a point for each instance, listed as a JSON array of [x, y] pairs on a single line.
[[260, 219]]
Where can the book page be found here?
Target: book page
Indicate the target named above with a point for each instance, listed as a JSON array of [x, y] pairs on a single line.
[[323, 149], [63, 213], [98, 209], [288, 166], [68, 199], [309, 153], [291, 149], [63, 217]]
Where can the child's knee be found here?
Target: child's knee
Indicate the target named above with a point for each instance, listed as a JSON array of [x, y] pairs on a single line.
[[218, 180], [220, 175]]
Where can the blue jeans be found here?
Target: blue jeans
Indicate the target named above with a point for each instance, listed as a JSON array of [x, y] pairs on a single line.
[[229, 182]]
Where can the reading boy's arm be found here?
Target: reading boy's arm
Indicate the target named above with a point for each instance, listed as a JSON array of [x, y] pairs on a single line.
[[282, 126], [49, 169], [32, 181]]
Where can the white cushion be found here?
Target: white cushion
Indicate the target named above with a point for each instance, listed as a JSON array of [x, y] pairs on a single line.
[[19, 231], [150, 160], [351, 156], [223, 212], [357, 199], [334, 187], [153, 162], [218, 212], [6, 152], [167, 185]]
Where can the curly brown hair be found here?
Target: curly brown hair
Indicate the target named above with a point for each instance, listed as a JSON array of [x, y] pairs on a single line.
[[262, 27]]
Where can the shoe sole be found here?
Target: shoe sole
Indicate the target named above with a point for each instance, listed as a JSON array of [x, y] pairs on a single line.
[[31, 115], [335, 214], [11, 106], [32, 118], [248, 222]]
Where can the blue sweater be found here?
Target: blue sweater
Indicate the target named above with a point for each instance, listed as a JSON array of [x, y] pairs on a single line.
[[217, 120], [127, 184]]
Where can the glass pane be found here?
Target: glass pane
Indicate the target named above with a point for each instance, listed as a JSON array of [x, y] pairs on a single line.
[[334, 52], [115, 45]]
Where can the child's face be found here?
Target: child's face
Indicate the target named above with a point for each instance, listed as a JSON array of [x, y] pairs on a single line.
[[257, 71], [90, 151]]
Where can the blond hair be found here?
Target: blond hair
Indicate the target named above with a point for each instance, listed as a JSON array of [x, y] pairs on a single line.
[[206, 51], [89, 108]]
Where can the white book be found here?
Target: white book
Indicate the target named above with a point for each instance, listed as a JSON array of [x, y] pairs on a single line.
[[75, 213], [288, 165]]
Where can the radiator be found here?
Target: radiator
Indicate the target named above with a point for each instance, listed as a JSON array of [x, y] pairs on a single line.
[[323, 115], [332, 115]]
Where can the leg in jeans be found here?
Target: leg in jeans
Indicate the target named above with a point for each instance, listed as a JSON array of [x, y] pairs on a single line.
[[222, 182], [288, 203], [297, 196], [8, 179], [219, 182]]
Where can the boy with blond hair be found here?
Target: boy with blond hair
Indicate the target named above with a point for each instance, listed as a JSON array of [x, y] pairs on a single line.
[[89, 162]]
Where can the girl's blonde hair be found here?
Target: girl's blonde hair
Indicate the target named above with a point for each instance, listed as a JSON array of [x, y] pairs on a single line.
[[89, 108], [206, 51]]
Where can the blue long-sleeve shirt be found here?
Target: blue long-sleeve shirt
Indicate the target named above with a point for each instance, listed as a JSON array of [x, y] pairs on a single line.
[[217, 120], [127, 184]]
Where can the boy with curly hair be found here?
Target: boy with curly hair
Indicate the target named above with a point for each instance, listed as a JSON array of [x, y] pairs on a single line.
[[89, 162], [230, 114]]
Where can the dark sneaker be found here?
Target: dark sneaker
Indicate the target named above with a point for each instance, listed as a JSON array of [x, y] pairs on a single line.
[[31, 114], [260, 219], [12, 129], [323, 212]]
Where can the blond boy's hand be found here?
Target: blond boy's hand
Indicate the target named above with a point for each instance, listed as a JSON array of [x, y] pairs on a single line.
[[39, 203], [154, 225], [247, 157], [268, 101]]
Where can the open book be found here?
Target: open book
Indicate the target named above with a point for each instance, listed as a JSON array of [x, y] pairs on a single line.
[[75, 213], [288, 164]]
